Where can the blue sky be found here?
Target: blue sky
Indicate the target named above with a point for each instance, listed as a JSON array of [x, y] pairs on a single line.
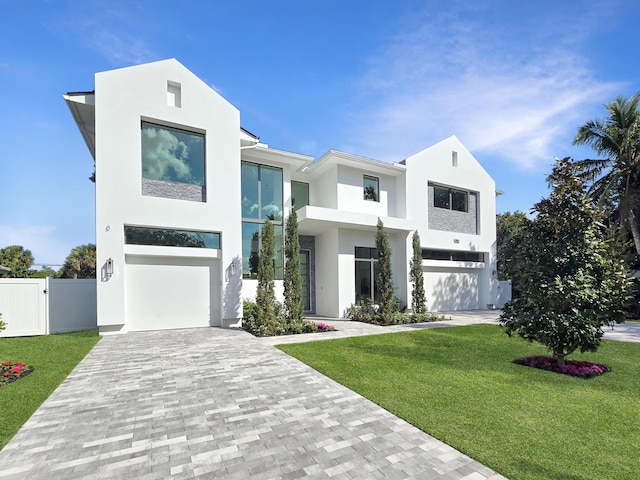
[[382, 79]]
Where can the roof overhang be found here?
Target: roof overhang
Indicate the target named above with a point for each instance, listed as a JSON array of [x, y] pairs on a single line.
[[83, 109], [316, 220], [335, 157], [261, 152], [4, 270]]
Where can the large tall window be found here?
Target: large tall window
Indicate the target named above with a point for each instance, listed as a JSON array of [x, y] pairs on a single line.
[[367, 270], [172, 155], [261, 199]]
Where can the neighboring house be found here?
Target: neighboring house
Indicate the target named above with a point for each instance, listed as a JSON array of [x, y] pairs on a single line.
[[182, 193]]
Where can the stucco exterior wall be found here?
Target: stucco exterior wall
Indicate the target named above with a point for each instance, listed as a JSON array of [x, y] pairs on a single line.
[[123, 99], [435, 165]]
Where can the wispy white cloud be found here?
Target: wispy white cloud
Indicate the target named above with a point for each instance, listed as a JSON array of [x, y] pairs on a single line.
[[116, 33], [516, 91], [42, 240]]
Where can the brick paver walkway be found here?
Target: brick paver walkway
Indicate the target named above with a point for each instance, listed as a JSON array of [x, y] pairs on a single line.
[[218, 403]]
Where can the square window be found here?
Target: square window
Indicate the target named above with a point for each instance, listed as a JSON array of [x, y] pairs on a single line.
[[371, 188], [172, 155]]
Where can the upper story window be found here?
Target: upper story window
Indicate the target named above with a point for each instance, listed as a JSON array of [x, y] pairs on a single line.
[[261, 200], [371, 188], [261, 192], [172, 155], [299, 195], [450, 199]]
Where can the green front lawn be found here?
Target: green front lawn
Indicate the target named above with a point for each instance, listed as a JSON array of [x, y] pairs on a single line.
[[460, 385], [53, 357]]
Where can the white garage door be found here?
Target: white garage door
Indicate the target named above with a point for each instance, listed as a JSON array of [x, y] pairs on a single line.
[[166, 292], [449, 290]]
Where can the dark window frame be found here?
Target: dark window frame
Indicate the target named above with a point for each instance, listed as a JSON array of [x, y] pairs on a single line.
[[171, 237], [452, 255], [450, 199], [278, 225], [371, 192], [182, 130]]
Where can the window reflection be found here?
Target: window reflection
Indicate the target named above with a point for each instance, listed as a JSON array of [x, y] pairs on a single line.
[[172, 155]]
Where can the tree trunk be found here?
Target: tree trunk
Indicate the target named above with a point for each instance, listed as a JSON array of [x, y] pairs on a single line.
[[559, 358], [635, 230]]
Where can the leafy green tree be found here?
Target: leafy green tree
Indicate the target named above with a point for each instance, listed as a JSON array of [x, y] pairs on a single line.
[[616, 177], [265, 295], [80, 263], [572, 286], [509, 228], [18, 260], [384, 280], [292, 278], [44, 272], [418, 300]]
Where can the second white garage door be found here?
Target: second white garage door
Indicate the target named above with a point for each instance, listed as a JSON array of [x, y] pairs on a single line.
[[449, 290], [171, 292]]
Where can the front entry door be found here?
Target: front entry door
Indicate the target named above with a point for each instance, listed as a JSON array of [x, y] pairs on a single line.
[[304, 273]]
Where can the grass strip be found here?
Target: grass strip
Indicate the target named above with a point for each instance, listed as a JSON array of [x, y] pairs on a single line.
[[53, 357], [460, 385]]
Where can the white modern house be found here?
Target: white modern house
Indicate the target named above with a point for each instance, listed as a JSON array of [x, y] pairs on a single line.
[[182, 194]]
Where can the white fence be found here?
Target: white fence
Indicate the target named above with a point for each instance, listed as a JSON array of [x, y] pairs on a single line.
[[504, 293], [40, 306]]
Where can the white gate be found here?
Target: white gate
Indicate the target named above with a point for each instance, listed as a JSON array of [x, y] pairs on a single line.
[[23, 304], [504, 293]]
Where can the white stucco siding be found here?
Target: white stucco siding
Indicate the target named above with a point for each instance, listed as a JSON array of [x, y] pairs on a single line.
[[172, 292], [348, 240], [323, 189], [123, 99], [350, 193], [435, 165], [327, 274]]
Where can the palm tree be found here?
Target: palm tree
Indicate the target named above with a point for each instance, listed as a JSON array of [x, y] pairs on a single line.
[[616, 177], [80, 263]]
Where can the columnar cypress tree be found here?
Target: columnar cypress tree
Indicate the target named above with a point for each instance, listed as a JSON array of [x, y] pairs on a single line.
[[292, 279], [385, 276], [418, 300], [265, 295]]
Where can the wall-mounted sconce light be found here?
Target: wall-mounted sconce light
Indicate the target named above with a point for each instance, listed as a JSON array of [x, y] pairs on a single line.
[[109, 266], [232, 267]]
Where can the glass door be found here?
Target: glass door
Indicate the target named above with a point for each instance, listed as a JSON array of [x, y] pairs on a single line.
[[304, 274]]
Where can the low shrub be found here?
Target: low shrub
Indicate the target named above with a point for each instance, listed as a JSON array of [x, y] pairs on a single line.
[[252, 323], [367, 312]]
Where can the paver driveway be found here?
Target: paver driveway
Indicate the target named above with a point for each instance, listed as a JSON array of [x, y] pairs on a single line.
[[216, 403]]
